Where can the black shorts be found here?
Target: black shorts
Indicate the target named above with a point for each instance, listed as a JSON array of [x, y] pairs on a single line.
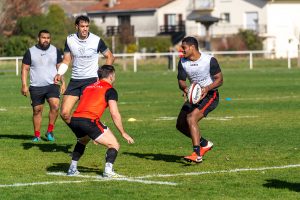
[[76, 86], [206, 105], [39, 94], [83, 126]]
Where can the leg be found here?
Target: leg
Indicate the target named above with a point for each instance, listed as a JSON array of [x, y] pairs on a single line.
[[182, 124], [66, 107], [192, 119], [54, 107], [53, 113], [77, 153], [37, 119], [109, 140]]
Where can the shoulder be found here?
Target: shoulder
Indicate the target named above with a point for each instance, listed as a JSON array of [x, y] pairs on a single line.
[[92, 36], [184, 60], [71, 35]]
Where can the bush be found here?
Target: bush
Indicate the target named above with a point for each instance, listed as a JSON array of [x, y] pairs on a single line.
[[251, 39], [17, 45], [155, 44]]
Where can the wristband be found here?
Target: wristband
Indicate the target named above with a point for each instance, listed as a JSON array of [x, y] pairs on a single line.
[[62, 69]]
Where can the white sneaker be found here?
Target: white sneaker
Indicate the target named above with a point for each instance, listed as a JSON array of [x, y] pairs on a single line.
[[204, 150], [73, 171], [112, 174]]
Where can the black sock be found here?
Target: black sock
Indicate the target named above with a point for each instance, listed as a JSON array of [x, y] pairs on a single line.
[[203, 142], [78, 151], [111, 155], [197, 149]]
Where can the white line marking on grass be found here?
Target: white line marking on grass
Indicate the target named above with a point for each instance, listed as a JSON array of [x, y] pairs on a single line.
[[225, 118], [128, 179], [165, 118], [42, 183], [3, 109], [264, 98], [88, 179], [220, 171]]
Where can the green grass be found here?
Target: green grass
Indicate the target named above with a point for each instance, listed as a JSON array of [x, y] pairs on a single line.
[[259, 127]]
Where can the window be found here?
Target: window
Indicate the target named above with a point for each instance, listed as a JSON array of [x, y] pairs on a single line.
[[252, 21], [225, 17]]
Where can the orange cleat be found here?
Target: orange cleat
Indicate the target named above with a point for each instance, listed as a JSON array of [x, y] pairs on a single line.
[[204, 150], [193, 158]]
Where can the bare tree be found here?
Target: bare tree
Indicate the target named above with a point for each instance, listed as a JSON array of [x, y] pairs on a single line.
[[11, 10]]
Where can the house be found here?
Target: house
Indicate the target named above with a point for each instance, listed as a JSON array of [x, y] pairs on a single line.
[[274, 20], [71, 7], [146, 18]]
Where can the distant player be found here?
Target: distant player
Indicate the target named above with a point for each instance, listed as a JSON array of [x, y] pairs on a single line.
[[42, 61], [86, 121], [205, 70], [83, 48]]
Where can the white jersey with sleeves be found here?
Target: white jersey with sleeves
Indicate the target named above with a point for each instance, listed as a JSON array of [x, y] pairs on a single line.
[[200, 71], [85, 55]]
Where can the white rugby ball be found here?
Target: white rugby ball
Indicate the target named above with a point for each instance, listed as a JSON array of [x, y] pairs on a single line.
[[194, 93]]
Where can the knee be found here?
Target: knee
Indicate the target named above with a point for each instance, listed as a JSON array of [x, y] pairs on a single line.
[[178, 125], [114, 145], [65, 115], [190, 119], [37, 111], [54, 108]]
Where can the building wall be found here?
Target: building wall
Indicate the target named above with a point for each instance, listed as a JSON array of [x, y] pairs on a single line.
[[283, 28], [238, 16], [145, 25]]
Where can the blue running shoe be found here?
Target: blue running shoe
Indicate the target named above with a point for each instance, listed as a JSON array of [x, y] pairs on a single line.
[[36, 139], [49, 136]]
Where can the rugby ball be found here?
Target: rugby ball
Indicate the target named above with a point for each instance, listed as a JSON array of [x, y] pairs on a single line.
[[194, 93]]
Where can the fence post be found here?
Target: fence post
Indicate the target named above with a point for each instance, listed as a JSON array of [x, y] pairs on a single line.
[[289, 59], [174, 60], [135, 62], [251, 60], [17, 66]]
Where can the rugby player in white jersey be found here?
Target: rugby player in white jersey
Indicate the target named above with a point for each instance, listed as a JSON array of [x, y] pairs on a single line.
[[83, 49], [205, 70]]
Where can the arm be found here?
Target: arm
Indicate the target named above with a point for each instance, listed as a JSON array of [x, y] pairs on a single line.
[[116, 117], [63, 83], [109, 57], [217, 75], [66, 61], [181, 76], [24, 75]]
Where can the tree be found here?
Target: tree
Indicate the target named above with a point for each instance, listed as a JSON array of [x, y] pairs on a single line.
[[14, 9]]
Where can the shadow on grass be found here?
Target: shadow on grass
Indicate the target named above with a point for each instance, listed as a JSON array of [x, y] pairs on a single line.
[[63, 167], [278, 184], [16, 137], [50, 147], [159, 157]]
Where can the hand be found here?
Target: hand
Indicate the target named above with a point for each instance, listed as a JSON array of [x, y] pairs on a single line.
[[128, 138], [24, 91], [57, 78], [204, 92], [62, 88]]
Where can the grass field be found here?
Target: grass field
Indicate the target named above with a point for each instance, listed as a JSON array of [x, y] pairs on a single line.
[[255, 132]]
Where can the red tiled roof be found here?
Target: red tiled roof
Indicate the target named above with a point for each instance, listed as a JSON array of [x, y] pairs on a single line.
[[127, 5]]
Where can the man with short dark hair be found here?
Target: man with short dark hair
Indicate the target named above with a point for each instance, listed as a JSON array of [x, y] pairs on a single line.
[[83, 49], [86, 121], [205, 70], [42, 61]]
